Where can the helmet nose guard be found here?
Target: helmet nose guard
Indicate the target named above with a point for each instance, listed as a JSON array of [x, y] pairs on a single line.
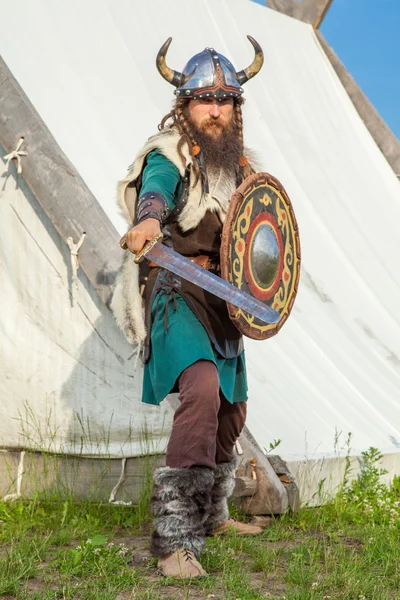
[[209, 73]]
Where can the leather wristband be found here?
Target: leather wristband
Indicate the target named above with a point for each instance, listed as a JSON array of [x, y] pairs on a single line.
[[152, 205]]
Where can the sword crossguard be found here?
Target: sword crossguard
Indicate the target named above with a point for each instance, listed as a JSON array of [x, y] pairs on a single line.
[[141, 255], [148, 246], [122, 243]]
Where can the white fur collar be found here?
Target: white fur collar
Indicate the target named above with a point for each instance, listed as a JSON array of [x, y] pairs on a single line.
[[198, 203]]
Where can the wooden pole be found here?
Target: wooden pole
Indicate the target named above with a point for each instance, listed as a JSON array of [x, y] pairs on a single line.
[[287, 7], [322, 15], [244, 486], [259, 488], [312, 11], [58, 187]]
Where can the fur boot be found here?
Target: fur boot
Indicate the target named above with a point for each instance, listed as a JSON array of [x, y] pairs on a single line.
[[224, 483], [181, 503]]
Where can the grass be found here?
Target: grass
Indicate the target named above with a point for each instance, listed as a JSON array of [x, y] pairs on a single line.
[[347, 549]]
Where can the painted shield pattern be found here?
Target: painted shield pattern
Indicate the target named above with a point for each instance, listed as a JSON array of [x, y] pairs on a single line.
[[260, 251]]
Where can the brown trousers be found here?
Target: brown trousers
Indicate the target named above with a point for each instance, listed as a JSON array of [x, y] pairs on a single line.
[[206, 426]]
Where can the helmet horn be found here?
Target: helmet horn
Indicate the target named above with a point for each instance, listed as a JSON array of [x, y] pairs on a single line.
[[170, 75], [253, 69]]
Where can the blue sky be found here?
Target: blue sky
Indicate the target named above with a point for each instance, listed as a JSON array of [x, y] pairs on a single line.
[[365, 34]]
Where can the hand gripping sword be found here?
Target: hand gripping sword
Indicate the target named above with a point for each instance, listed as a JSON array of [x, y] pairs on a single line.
[[180, 265]]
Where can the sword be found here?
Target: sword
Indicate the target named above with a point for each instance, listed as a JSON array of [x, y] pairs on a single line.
[[180, 265]]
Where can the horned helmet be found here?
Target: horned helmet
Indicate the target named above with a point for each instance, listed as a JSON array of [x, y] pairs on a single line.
[[209, 73]]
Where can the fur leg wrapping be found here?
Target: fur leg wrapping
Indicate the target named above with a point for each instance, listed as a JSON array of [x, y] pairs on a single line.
[[181, 504], [224, 483]]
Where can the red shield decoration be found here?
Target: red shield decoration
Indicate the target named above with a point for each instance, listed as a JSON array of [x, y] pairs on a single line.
[[260, 251]]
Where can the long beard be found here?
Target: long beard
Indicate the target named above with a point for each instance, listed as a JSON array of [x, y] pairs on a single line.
[[223, 151]]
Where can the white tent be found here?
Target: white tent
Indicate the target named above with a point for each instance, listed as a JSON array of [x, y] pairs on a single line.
[[88, 69]]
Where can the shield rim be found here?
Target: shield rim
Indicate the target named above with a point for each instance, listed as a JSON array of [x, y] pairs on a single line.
[[226, 267]]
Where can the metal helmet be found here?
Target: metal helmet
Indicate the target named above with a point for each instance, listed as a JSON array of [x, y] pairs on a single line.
[[209, 73]]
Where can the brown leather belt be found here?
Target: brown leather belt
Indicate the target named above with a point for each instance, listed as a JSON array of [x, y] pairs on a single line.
[[204, 261]]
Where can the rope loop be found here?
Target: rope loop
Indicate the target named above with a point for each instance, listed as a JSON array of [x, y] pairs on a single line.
[[74, 249], [16, 155]]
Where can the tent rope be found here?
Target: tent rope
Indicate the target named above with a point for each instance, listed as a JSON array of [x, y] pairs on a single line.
[[115, 489], [253, 464], [20, 472], [16, 154], [238, 448], [74, 249]]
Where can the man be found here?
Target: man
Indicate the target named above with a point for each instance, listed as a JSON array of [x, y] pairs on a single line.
[[180, 185]]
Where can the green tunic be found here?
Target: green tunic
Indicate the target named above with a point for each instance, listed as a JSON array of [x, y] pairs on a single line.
[[185, 341]]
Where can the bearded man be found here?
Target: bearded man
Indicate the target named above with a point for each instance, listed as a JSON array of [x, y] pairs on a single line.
[[180, 185]]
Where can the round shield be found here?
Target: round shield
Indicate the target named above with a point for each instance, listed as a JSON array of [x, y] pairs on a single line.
[[260, 251]]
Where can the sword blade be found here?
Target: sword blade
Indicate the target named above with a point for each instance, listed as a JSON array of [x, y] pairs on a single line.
[[180, 265]]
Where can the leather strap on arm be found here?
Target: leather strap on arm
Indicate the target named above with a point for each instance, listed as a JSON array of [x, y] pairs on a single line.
[[152, 205]]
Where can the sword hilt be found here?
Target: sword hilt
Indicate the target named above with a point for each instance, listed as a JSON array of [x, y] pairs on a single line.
[[122, 243], [148, 246]]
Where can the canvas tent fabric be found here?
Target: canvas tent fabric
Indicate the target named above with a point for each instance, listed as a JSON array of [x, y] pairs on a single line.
[[89, 70], [67, 384]]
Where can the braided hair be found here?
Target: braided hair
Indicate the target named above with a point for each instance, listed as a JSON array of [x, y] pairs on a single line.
[[181, 123], [245, 169]]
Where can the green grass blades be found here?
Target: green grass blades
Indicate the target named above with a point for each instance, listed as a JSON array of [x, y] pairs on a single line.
[[96, 556], [20, 561], [348, 549]]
